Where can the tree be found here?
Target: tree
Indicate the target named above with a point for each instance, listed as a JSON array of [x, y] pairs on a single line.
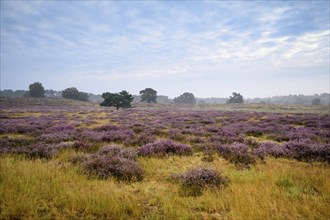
[[185, 98], [236, 98], [36, 90], [316, 101], [148, 95], [119, 100], [73, 93]]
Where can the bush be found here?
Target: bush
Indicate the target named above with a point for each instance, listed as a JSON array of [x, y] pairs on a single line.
[[195, 179], [114, 161], [105, 166], [299, 150], [40, 150], [254, 132], [82, 145], [270, 148], [238, 154], [308, 151], [164, 147], [128, 153], [73, 93]]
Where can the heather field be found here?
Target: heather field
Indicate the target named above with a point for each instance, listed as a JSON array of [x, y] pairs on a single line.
[[62, 159]]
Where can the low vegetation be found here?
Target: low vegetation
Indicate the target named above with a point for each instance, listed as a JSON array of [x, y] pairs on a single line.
[[66, 159], [195, 179]]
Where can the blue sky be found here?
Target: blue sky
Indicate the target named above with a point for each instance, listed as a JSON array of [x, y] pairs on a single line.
[[209, 48]]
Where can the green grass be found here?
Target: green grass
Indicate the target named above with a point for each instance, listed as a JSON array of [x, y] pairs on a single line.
[[278, 189]]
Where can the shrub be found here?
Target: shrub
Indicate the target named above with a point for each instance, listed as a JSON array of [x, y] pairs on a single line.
[[138, 140], [254, 132], [308, 151], [40, 150], [195, 179], [238, 154], [58, 137], [128, 153], [164, 147], [114, 161], [105, 166], [82, 145], [270, 148]]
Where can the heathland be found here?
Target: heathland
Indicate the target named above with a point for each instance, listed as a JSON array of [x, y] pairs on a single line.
[[64, 159]]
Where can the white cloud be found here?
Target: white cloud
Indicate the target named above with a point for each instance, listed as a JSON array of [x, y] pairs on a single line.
[[112, 41]]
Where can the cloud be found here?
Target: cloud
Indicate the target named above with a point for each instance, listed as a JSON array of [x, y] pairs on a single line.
[[113, 41]]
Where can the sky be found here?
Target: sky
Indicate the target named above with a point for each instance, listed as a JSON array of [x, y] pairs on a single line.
[[209, 48]]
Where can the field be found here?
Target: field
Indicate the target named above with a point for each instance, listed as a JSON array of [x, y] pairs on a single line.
[[63, 159]]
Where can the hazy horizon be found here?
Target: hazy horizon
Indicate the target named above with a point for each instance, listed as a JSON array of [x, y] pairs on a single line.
[[259, 49]]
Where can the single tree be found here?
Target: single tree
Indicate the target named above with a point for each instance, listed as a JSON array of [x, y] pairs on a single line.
[[148, 95], [119, 100], [73, 93], [236, 98], [36, 90], [185, 98], [316, 101]]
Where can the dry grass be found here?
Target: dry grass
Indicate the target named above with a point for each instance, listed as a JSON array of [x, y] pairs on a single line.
[[58, 189], [278, 189]]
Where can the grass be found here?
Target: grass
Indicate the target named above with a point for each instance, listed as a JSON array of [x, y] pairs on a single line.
[[16, 136], [59, 189], [49, 189], [278, 189]]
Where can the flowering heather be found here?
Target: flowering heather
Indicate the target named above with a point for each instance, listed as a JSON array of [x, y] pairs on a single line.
[[108, 127], [8, 145], [299, 136], [270, 148], [195, 179], [41, 150], [301, 133], [138, 140], [128, 153], [238, 154], [105, 166], [107, 135], [300, 150], [308, 151], [58, 136], [164, 147], [176, 135], [254, 131]]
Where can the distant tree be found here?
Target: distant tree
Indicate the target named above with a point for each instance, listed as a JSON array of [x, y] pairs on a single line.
[[53, 94], [73, 93], [163, 99], [236, 98], [36, 90], [201, 102], [316, 101], [148, 95], [119, 100], [185, 98], [11, 93]]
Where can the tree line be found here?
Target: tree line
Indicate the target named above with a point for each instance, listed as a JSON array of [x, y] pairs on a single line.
[[122, 99]]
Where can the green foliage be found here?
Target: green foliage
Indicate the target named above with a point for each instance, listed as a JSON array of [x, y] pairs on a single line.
[[36, 90], [185, 98], [148, 95], [236, 98], [73, 93], [119, 100]]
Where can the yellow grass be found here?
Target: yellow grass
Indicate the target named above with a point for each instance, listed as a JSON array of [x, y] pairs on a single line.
[[16, 136], [278, 189]]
